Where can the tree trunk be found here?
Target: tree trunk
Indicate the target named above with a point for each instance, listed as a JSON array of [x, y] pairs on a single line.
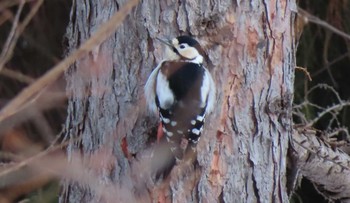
[[242, 153]]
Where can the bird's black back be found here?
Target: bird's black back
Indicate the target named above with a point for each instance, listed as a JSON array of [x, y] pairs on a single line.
[[186, 81]]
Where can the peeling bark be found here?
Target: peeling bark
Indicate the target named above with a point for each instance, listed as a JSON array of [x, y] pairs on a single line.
[[242, 153]]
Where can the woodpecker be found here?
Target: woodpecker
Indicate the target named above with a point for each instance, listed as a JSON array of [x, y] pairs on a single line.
[[183, 92]]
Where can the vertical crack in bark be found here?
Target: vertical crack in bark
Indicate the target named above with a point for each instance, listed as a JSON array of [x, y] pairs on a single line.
[[254, 185], [187, 17], [269, 37], [221, 197], [88, 9], [274, 182], [254, 115], [281, 161], [267, 17], [247, 191]]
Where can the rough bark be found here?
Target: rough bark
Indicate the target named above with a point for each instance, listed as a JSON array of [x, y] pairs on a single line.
[[242, 155], [326, 166]]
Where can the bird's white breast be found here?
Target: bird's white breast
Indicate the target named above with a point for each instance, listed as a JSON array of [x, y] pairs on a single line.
[[165, 95]]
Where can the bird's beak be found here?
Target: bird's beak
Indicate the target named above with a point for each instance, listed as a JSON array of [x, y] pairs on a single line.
[[167, 42]]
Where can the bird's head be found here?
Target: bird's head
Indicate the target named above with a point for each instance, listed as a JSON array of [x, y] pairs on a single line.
[[185, 48]]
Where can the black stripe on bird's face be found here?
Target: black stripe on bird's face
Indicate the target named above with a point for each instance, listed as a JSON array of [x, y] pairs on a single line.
[[175, 50]]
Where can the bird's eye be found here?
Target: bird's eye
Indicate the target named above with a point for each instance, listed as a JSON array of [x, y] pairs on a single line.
[[182, 46]]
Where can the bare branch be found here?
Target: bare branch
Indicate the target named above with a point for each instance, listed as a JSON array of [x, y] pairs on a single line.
[[339, 58], [34, 158], [305, 71], [326, 167], [17, 76], [330, 109], [326, 87], [316, 20]]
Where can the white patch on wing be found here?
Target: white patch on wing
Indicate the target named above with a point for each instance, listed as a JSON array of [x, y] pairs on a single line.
[[200, 118], [166, 120], [195, 131], [194, 141], [208, 92], [205, 89], [164, 93], [150, 89]]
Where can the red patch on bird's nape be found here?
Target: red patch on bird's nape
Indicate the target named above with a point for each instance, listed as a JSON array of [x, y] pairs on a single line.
[[124, 146]]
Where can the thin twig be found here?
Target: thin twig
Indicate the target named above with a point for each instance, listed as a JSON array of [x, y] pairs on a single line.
[[11, 38], [336, 131], [334, 110], [305, 71], [328, 110], [17, 76], [101, 35], [327, 87], [326, 45], [301, 116], [31, 159], [339, 58], [9, 3]]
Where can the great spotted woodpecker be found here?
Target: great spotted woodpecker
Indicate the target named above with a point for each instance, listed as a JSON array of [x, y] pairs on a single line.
[[182, 90]]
